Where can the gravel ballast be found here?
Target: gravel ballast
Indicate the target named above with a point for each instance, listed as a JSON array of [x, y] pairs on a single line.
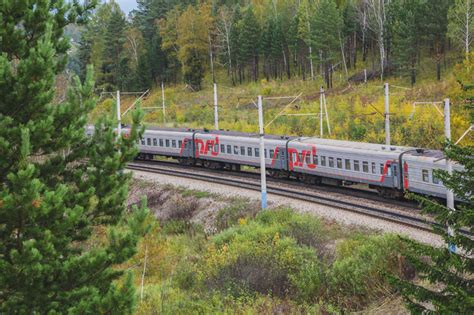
[[329, 213]]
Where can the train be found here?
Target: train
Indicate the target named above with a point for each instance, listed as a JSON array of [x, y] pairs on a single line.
[[390, 170]]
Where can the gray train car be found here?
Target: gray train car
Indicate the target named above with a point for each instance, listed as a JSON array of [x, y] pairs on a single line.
[[347, 162], [419, 175], [391, 170], [226, 148]]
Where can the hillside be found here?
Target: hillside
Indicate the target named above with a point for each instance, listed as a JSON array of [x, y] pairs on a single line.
[[354, 109]]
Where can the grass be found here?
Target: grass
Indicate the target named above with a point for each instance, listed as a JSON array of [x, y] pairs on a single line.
[[354, 109], [275, 261]]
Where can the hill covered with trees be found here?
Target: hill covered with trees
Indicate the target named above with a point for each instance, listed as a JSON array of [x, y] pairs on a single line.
[[183, 41]]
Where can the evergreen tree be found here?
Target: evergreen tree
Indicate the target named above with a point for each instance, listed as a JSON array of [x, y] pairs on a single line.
[[114, 67], [327, 25], [249, 39], [408, 22], [450, 272], [56, 184]]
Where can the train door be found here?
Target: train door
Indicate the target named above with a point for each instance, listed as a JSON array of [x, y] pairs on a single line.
[[186, 149], [278, 157], [395, 173]]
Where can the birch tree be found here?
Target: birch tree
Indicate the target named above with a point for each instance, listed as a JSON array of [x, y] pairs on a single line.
[[376, 14], [461, 24]]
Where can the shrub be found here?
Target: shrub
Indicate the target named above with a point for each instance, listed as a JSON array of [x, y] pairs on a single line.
[[230, 215], [265, 257], [357, 276]]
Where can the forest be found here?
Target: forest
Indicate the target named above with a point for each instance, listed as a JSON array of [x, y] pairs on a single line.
[[235, 42]]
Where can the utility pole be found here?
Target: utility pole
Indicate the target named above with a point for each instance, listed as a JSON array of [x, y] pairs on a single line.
[[216, 114], [449, 168], [119, 120], [321, 92], [263, 180], [327, 115], [387, 116], [163, 99]]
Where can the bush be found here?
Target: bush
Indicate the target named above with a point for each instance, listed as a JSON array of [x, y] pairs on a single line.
[[269, 255], [357, 276], [230, 215]]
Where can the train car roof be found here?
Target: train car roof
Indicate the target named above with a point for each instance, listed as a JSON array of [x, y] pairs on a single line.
[[414, 153], [380, 148], [219, 132]]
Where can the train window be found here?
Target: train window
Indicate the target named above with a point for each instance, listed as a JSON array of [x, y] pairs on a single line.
[[257, 152], [293, 157], [155, 142], [436, 180], [180, 144], [167, 142], [308, 158], [331, 162], [347, 164], [365, 166], [323, 161], [236, 150], [315, 160], [222, 148], [148, 141], [382, 167], [272, 153], [173, 143], [249, 151], [300, 160], [339, 163], [265, 153], [209, 146], [356, 166], [229, 149], [161, 142], [216, 148], [374, 170], [143, 141], [425, 176], [395, 170], [242, 150]]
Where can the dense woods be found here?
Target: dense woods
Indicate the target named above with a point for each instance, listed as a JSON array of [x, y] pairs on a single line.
[[182, 41]]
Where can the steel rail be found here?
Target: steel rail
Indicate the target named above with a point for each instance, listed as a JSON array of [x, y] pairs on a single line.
[[384, 214]]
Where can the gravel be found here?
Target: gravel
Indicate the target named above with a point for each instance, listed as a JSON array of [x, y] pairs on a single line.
[[338, 215]]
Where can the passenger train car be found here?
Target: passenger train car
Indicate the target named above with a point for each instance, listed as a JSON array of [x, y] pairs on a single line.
[[391, 170]]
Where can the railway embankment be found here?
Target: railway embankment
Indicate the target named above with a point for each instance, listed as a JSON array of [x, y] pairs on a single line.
[[212, 250]]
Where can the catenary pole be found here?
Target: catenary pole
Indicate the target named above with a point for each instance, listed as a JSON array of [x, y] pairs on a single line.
[[216, 114], [449, 167], [163, 99], [321, 92], [327, 115], [119, 122], [387, 116], [263, 180]]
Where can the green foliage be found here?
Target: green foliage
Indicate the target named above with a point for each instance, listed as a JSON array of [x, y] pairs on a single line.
[[358, 273], [57, 186], [439, 266], [238, 211]]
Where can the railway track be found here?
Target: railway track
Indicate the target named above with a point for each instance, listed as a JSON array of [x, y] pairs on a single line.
[[252, 183]]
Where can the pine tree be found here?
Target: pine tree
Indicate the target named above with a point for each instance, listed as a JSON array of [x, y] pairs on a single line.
[[327, 25], [407, 32], [450, 272], [114, 67], [249, 39], [56, 184]]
